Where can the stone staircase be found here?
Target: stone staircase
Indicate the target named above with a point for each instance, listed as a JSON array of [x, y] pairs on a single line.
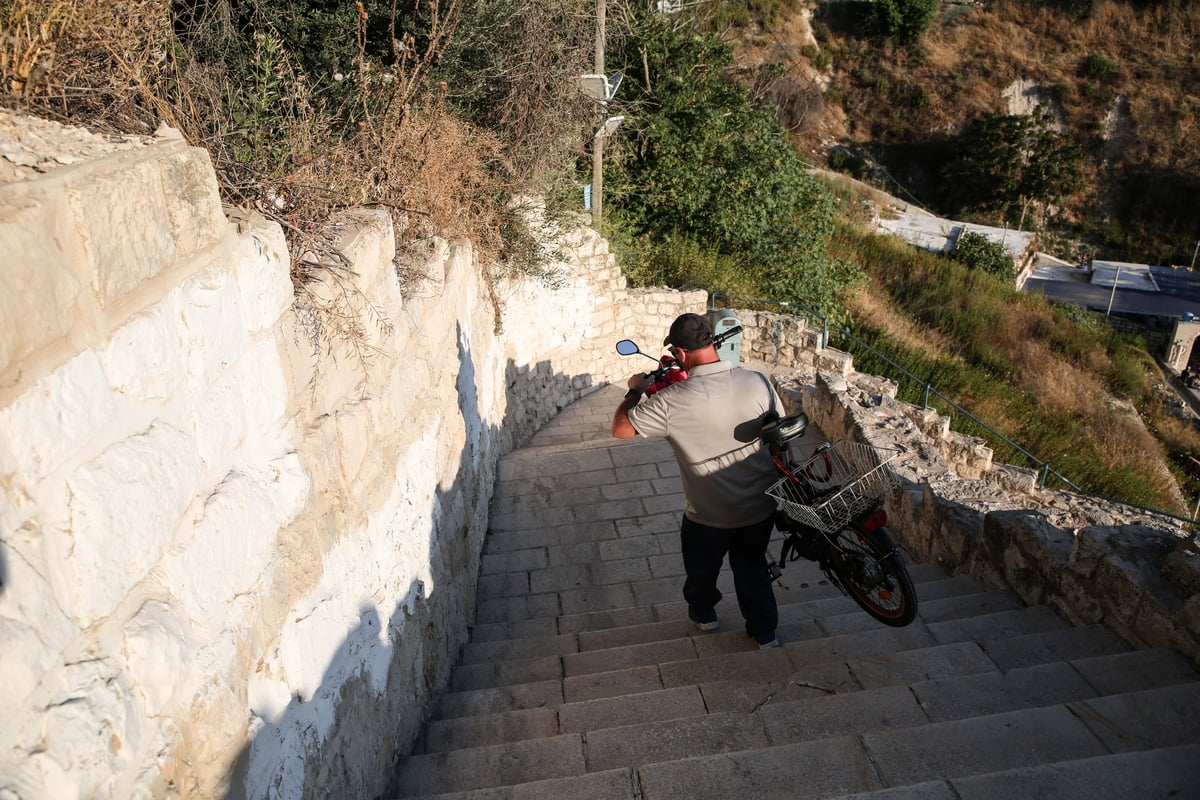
[[584, 678]]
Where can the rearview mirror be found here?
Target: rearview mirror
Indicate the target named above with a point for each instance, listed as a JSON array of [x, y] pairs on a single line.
[[628, 347]]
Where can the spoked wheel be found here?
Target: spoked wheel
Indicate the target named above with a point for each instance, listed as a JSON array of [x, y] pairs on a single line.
[[871, 568]]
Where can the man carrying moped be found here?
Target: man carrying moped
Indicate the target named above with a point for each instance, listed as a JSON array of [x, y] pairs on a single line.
[[712, 422]]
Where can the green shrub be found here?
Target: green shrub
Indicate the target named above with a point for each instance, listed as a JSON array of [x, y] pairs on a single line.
[[977, 251], [1097, 65], [707, 165], [904, 21]]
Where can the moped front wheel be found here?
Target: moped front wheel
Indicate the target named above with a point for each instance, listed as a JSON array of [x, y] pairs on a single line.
[[871, 569]]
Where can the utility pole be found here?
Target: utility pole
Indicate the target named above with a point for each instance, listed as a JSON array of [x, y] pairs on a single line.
[[598, 140], [1197, 250]]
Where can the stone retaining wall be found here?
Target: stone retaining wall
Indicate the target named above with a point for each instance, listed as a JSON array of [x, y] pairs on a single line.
[[1096, 562], [238, 556]]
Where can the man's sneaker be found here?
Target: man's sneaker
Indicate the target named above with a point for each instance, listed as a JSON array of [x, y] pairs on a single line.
[[766, 640], [706, 622]]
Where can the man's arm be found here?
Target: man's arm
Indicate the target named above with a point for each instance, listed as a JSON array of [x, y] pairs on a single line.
[[622, 428]]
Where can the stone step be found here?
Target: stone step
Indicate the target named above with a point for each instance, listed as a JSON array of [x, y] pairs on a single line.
[[610, 605], [643, 560], [479, 702], [1143, 720], [1136, 669], [940, 599], [802, 620], [955, 680], [843, 765], [669, 767], [1171, 772], [614, 784], [491, 765], [689, 659], [821, 714], [1056, 645]]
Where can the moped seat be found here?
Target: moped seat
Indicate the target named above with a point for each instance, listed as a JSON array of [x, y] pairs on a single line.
[[783, 430]]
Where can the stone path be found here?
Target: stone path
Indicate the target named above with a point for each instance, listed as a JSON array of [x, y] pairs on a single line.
[[584, 679]]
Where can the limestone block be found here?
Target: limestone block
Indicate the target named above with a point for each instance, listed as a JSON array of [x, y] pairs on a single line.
[[125, 225], [953, 528], [229, 547], [835, 361], [1126, 562], [94, 725], [157, 647], [54, 420], [367, 239], [1154, 626], [1189, 625], [30, 652], [1016, 480], [125, 507], [242, 416], [42, 291], [1182, 567], [262, 270], [1031, 549], [1078, 600], [142, 360], [211, 332], [193, 197]]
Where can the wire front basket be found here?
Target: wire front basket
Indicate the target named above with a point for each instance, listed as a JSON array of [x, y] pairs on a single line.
[[836, 485]]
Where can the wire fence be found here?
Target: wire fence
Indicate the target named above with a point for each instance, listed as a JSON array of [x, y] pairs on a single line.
[[961, 420]]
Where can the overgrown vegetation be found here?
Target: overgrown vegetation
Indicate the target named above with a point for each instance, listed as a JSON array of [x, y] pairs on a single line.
[[976, 251], [1055, 380], [1003, 163], [311, 108], [706, 188]]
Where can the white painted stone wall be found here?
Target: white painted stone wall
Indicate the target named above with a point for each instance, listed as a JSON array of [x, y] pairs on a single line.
[[231, 565]]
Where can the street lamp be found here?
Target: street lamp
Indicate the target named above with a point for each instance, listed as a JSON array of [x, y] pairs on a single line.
[[601, 89]]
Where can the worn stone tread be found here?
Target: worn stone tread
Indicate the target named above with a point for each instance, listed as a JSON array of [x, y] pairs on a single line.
[[818, 769], [633, 745], [1143, 720], [631, 709], [1136, 669], [1057, 645], [615, 784], [499, 699], [497, 728], [1170, 773], [492, 765]]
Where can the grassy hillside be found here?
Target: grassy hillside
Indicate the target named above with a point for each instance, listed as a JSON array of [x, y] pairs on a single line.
[[1053, 378]]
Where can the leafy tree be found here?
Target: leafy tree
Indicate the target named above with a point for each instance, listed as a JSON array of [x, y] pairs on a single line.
[[905, 21], [1006, 162], [977, 251], [703, 163]]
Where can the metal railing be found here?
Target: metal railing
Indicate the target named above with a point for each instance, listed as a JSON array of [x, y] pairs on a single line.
[[1042, 467]]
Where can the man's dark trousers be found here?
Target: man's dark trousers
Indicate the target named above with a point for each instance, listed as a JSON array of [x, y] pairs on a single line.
[[704, 550]]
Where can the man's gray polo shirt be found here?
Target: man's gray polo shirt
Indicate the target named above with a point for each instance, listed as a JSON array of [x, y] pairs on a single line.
[[712, 421]]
